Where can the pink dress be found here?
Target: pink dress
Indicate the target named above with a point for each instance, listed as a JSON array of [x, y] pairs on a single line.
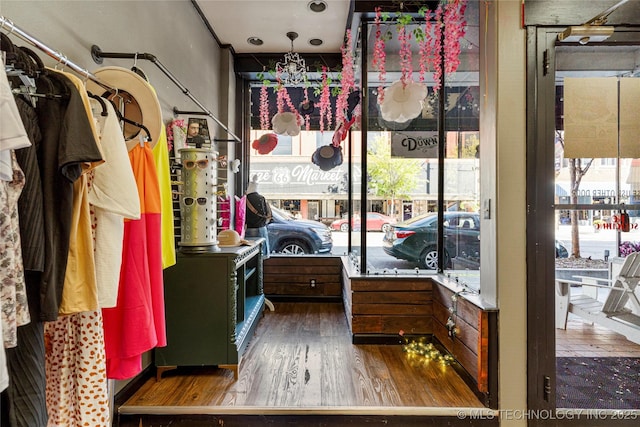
[[137, 323]]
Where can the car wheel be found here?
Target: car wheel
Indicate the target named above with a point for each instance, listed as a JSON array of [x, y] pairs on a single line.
[[429, 259], [386, 227], [294, 248], [344, 227]]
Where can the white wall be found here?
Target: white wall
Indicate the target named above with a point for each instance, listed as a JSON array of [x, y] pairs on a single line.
[[170, 30]]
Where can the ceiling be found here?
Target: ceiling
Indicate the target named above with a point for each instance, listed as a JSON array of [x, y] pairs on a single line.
[[235, 21]]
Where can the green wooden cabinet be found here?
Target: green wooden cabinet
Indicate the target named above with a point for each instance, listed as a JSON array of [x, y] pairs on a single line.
[[213, 303]]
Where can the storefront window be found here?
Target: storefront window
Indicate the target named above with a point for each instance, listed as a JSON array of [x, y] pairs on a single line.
[[387, 185], [403, 155]]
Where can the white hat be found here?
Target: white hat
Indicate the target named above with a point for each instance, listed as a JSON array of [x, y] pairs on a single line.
[[253, 185], [130, 83]]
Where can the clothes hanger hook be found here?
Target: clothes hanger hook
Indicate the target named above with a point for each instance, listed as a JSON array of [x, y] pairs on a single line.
[[135, 60]]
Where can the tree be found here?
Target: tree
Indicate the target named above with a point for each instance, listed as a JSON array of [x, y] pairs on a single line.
[[576, 172], [391, 178]]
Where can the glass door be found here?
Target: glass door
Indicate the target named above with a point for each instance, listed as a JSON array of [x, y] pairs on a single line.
[[596, 226]]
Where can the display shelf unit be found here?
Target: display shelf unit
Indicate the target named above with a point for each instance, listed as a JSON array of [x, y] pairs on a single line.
[[213, 304]]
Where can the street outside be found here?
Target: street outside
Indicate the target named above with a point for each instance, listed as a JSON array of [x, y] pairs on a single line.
[[375, 255], [592, 244]]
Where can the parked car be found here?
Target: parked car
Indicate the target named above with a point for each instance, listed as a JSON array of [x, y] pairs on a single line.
[[375, 222], [416, 239], [289, 235]]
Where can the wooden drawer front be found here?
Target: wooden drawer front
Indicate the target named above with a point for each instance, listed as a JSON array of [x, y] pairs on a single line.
[[391, 324], [287, 287], [393, 309], [392, 312], [406, 298], [470, 346], [303, 276], [395, 284]]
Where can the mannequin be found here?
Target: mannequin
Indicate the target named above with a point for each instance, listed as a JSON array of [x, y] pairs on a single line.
[[258, 215]]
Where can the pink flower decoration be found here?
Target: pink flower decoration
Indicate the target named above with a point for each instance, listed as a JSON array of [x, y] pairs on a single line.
[[454, 30], [405, 55], [307, 118], [325, 102], [282, 99], [347, 80], [426, 46], [437, 48], [264, 108], [379, 55]]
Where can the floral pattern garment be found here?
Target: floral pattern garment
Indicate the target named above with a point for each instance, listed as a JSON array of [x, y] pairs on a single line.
[[13, 296], [77, 392]]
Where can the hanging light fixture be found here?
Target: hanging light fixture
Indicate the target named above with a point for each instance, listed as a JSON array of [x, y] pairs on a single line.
[[293, 69]]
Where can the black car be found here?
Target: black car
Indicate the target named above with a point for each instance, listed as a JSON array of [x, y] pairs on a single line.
[[416, 239], [289, 235]]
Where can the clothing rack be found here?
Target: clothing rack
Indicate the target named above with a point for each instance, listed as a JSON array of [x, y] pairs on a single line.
[[97, 54], [6, 24]]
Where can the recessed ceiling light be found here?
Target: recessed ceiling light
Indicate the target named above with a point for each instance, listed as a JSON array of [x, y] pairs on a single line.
[[315, 42], [317, 5], [256, 41]]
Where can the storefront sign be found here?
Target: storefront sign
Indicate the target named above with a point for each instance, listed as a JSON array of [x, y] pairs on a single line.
[[301, 175], [419, 145]]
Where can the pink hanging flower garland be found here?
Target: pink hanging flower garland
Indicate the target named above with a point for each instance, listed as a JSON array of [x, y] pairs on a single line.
[[264, 108], [379, 55], [454, 30], [347, 81], [325, 102], [282, 99], [436, 42], [307, 117], [426, 46], [406, 66]]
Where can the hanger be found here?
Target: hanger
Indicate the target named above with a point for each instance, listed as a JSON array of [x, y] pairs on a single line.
[[131, 122], [38, 65], [102, 103], [23, 68]]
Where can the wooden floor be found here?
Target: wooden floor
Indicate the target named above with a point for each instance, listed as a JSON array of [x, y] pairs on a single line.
[[302, 357], [584, 339]]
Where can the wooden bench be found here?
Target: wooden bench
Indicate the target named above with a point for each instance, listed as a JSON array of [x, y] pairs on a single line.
[[619, 310]]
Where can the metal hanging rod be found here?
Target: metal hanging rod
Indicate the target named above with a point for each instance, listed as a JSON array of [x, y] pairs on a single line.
[[177, 112], [97, 54], [6, 24]]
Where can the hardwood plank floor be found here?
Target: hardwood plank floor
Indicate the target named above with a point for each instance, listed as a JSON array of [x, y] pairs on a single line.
[[584, 339], [302, 357]]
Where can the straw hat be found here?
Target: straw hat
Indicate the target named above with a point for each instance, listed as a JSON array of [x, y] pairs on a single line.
[[230, 239], [141, 101]]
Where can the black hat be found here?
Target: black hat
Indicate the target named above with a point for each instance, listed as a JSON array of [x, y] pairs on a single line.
[[327, 157], [306, 107]]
